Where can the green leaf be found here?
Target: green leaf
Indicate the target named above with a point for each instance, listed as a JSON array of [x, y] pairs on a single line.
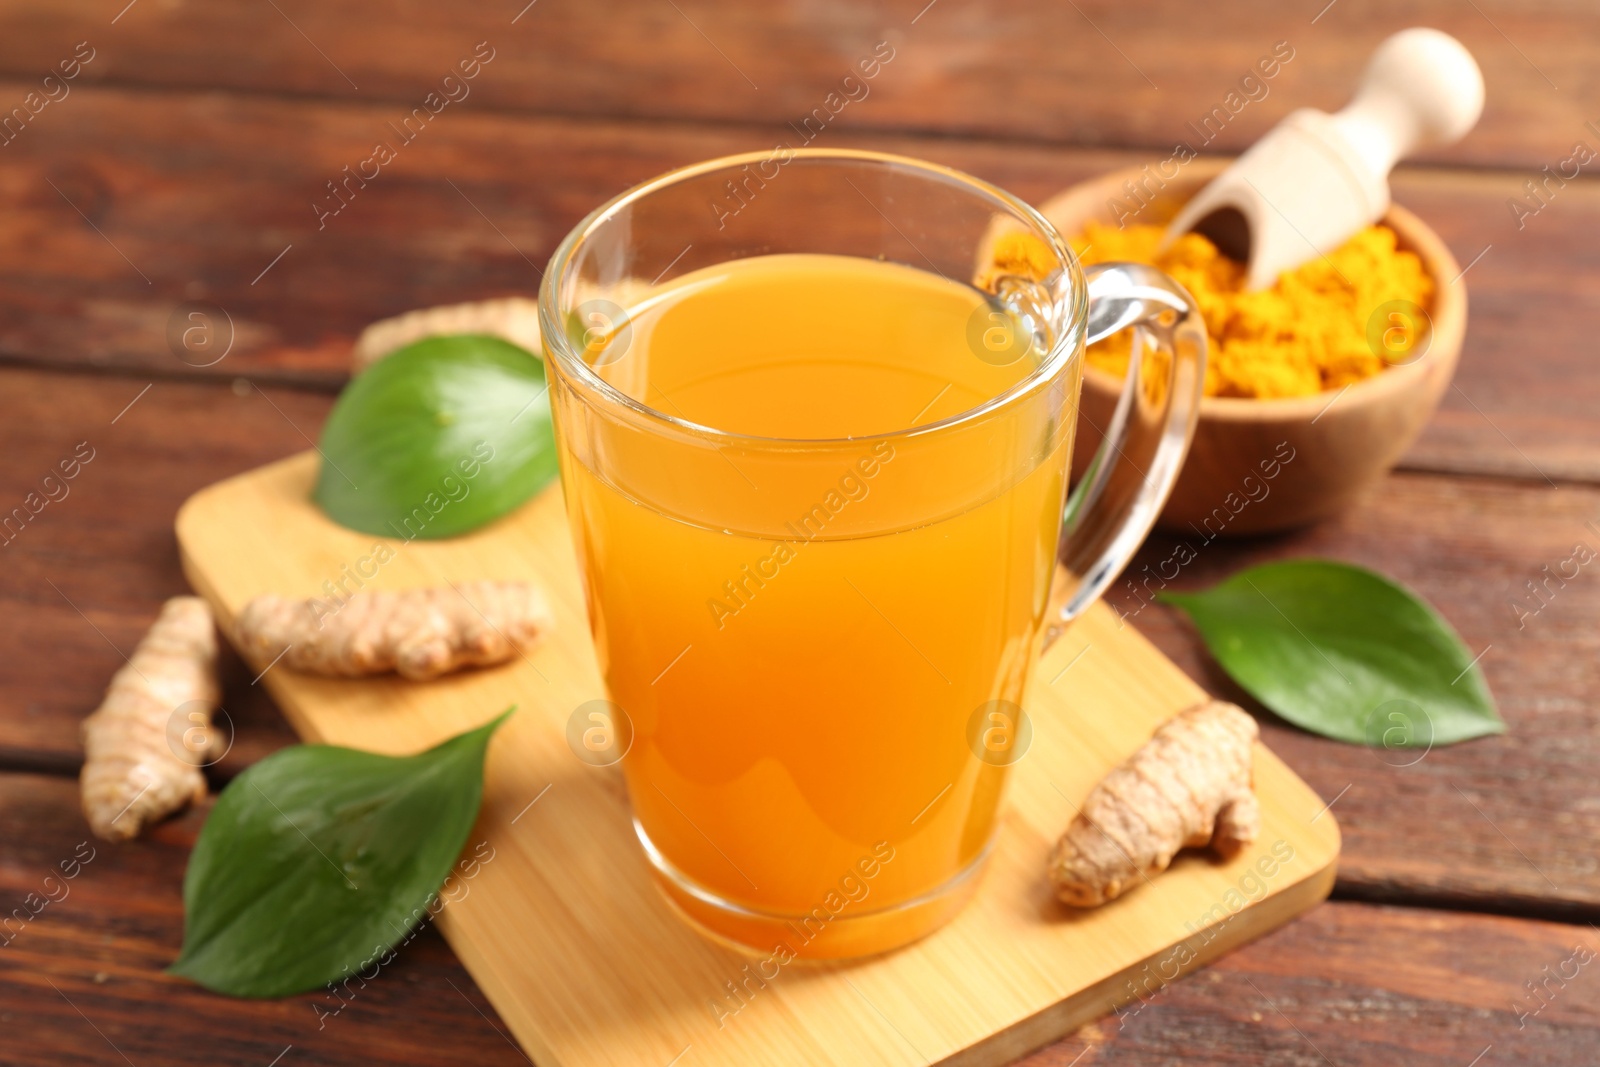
[[1345, 653], [317, 860], [437, 439]]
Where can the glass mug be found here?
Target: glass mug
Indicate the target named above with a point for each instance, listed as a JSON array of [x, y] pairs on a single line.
[[817, 618]]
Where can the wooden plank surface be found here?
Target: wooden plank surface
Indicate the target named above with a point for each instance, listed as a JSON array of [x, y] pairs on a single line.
[[1362, 984], [1518, 407], [83, 579], [1355, 984], [183, 214], [203, 189], [1094, 73], [188, 208]]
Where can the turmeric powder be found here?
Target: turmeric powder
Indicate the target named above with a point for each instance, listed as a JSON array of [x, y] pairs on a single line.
[[1306, 334]]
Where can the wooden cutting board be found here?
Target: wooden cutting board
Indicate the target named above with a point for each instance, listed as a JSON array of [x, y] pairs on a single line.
[[582, 957]]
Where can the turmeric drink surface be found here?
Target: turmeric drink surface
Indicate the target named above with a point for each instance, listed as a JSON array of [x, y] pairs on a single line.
[[818, 642]]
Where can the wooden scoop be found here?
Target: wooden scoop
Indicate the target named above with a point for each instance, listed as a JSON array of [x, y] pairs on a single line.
[[1315, 179]]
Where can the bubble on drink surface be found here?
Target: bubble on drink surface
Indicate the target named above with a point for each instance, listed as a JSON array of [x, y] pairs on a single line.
[[200, 333], [999, 732], [1399, 732], [601, 330], [1399, 332], [198, 736], [599, 732]]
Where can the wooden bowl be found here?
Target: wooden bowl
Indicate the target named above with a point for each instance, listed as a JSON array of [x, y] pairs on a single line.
[[1324, 449]]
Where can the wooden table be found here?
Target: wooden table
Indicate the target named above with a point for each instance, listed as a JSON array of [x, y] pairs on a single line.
[[187, 169]]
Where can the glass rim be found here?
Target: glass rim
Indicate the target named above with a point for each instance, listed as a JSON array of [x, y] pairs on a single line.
[[578, 371]]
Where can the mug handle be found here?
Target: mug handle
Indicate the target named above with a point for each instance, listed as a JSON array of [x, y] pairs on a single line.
[[1127, 483]]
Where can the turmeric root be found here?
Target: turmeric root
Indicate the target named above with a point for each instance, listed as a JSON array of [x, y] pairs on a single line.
[[421, 633], [133, 774], [1187, 787], [515, 319]]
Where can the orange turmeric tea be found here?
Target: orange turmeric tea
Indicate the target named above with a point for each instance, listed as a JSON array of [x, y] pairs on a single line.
[[815, 639]]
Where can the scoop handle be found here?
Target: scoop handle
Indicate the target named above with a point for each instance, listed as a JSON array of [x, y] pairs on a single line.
[[1421, 88]]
